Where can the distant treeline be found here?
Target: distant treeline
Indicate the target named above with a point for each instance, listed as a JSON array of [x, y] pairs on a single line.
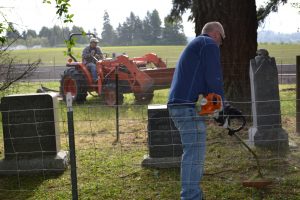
[[272, 37], [133, 31]]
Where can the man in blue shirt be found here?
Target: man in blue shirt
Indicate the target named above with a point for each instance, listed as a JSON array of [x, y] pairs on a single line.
[[198, 72]]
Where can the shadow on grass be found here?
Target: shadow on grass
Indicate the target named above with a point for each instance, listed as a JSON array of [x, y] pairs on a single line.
[[25, 186]]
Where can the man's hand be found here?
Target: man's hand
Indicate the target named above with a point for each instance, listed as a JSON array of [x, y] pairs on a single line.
[[228, 111], [99, 56]]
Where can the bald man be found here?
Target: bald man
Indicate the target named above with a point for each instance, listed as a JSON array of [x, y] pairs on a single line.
[[198, 72]]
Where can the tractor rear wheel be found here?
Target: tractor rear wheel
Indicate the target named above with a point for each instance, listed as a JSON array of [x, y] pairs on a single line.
[[73, 81], [144, 98], [110, 97]]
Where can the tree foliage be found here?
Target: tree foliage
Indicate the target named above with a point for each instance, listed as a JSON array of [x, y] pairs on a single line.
[[108, 34], [55, 36], [155, 24], [62, 9], [296, 5], [271, 6], [147, 31], [173, 32], [181, 6]]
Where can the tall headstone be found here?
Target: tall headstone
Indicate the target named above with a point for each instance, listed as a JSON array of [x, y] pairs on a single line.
[[266, 131], [164, 141], [31, 134]]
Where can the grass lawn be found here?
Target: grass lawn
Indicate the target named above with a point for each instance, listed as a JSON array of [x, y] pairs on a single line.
[[112, 171]]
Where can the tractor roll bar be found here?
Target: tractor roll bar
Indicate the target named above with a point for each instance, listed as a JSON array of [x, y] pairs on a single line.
[[69, 40]]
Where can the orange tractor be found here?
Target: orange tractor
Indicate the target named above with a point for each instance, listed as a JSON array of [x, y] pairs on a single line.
[[116, 76]]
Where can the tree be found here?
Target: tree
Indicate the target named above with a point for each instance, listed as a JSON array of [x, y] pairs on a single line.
[[79, 39], [130, 22], [147, 28], [124, 34], [138, 32], [135, 30], [10, 72], [155, 22], [173, 33], [31, 33], [152, 28], [108, 34], [135, 26], [240, 21], [44, 32], [55, 36], [11, 32]]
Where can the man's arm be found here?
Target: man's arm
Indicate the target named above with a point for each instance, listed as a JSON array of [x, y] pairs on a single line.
[[213, 71], [99, 53], [85, 53]]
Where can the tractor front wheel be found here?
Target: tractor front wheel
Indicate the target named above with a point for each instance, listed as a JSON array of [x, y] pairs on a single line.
[[73, 81]]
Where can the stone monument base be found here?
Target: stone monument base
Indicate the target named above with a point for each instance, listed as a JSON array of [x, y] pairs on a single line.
[[49, 164], [165, 162], [273, 139]]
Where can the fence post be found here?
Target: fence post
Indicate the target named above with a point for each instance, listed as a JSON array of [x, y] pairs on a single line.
[[72, 147], [298, 94], [117, 102]]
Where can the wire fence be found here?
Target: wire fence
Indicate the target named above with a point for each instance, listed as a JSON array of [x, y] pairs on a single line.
[[286, 73], [112, 142]]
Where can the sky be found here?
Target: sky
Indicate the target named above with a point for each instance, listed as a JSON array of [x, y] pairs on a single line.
[[89, 14]]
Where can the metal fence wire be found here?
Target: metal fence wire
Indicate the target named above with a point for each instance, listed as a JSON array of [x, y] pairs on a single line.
[[111, 143]]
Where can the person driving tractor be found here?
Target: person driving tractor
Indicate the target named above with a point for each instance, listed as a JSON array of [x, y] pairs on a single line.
[[90, 55]]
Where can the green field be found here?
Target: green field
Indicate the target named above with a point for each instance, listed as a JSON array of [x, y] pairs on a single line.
[[57, 56], [284, 53]]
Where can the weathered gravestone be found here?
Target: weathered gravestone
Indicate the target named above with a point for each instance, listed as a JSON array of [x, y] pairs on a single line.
[[267, 131], [31, 135], [164, 141]]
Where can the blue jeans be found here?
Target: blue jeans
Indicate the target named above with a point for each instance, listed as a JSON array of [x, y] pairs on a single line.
[[93, 70], [192, 131]]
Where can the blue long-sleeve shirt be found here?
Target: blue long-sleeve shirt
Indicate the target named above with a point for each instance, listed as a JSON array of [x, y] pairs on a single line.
[[198, 71]]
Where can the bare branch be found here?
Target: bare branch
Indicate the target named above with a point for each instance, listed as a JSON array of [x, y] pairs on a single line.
[[10, 72]]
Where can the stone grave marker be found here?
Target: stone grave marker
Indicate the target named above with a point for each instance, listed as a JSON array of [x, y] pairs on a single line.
[[31, 134], [164, 141], [267, 130]]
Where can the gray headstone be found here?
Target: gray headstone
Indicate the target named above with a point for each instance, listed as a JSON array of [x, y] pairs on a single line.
[[31, 134], [164, 141], [267, 130]]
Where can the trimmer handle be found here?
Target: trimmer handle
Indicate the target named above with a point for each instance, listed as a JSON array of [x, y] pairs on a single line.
[[211, 104]]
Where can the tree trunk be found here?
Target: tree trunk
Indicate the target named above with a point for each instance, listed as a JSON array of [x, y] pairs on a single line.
[[240, 24]]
